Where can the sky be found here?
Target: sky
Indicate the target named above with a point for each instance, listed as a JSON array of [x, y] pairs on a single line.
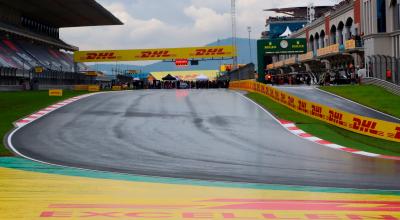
[[175, 23]]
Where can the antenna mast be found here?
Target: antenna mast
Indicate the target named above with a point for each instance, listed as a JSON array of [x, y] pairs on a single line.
[[234, 34]]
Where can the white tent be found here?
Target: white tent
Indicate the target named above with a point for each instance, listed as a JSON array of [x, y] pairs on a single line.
[[287, 33], [202, 78]]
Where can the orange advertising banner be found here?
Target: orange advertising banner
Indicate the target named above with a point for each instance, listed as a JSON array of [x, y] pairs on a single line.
[[211, 52], [352, 122]]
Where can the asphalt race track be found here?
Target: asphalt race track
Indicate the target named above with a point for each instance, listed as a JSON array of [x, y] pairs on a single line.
[[315, 95], [199, 134]]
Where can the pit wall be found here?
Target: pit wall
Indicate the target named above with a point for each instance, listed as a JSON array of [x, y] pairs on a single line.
[[355, 123]]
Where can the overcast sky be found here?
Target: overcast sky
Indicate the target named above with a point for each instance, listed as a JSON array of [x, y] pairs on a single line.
[[175, 23]]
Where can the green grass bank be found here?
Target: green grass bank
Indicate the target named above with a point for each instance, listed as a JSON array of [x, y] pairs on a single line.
[[326, 131], [15, 105]]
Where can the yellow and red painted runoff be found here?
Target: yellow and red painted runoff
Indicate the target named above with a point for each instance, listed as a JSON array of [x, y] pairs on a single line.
[[35, 191]]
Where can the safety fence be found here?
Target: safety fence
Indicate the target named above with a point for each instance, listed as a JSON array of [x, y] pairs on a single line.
[[352, 122], [384, 67]]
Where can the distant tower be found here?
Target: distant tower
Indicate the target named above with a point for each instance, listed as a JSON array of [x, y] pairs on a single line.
[[310, 13], [234, 40]]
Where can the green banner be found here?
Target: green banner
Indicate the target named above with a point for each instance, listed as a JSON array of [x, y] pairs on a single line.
[[283, 46]]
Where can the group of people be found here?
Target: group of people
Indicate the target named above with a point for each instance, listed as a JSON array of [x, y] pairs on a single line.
[[203, 84], [291, 79]]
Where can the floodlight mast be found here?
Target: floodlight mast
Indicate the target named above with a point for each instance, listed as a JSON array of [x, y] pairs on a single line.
[[234, 34]]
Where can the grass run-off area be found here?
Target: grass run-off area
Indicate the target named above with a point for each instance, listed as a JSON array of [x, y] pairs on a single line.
[[326, 131], [369, 95], [15, 105]]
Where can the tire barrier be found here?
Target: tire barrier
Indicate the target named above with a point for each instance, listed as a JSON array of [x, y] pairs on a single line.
[[352, 122]]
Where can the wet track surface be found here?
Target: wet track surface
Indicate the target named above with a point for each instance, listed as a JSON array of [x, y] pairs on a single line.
[[315, 95], [200, 134]]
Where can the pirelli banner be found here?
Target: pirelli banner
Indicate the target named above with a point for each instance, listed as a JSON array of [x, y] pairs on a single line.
[[217, 52], [356, 123]]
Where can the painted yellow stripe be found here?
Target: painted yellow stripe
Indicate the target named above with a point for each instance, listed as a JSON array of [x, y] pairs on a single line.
[[31, 195]]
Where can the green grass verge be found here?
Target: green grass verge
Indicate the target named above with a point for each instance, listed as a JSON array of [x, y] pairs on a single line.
[[369, 95], [326, 131], [15, 105]]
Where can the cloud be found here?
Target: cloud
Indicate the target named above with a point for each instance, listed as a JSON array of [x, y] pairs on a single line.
[[174, 23]]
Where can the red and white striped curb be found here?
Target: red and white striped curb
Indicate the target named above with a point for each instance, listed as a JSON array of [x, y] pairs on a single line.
[[290, 126], [30, 118]]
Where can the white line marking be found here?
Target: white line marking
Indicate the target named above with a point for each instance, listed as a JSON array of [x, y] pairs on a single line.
[[368, 154]]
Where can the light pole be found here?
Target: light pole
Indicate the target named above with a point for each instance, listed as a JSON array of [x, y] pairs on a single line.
[[249, 30], [234, 34]]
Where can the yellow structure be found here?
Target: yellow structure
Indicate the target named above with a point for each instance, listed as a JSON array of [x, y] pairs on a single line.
[[93, 88], [55, 92], [116, 88], [156, 54], [187, 75]]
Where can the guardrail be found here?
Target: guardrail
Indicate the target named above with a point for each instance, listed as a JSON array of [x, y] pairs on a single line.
[[391, 87], [352, 122]]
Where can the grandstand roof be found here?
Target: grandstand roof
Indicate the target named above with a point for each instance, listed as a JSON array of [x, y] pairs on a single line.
[[62, 13], [300, 11]]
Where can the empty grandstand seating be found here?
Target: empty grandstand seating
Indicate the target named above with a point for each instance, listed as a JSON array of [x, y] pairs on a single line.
[[19, 57], [21, 54]]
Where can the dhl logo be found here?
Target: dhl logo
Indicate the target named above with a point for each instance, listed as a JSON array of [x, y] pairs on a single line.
[[302, 106], [397, 136], [211, 52], [155, 54], [365, 125], [101, 56], [317, 111], [336, 117]]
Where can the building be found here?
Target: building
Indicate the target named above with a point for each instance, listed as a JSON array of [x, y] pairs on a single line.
[[333, 43], [381, 34], [31, 51], [295, 18], [353, 35]]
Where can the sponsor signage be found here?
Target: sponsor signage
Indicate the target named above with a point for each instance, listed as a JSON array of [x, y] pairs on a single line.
[[356, 123], [93, 88], [350, 44], [283, 46], [55, 92], [232, 209], [212, 52], [181, 62], [116, 88]]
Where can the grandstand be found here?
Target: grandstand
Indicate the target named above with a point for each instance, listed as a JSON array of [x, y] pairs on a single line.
[[30, 41]]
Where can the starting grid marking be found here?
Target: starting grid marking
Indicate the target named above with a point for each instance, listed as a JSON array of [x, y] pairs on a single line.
[[30, 118], [291, 127]]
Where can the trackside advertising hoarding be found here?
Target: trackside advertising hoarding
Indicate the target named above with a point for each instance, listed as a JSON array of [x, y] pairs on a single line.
[[356, 123], [212, 52]]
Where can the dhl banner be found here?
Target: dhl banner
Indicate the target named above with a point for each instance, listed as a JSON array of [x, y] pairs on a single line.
[[155, 54], [356, 123]]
